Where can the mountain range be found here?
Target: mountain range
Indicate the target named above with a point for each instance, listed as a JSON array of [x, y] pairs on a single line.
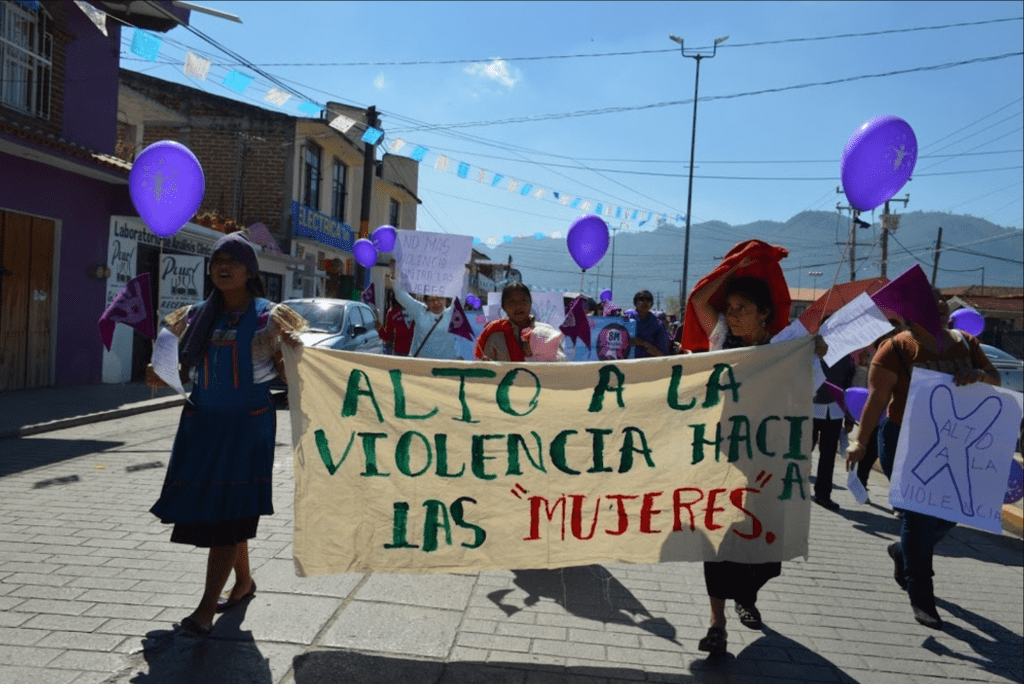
[[973, 251]]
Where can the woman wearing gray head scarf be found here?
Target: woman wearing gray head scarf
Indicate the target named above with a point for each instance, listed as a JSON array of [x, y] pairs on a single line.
[[218, 480]]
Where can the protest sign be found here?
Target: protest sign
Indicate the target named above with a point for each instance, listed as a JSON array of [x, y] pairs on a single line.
[[432, 263], [955, 449], [420, 465], [165, 360], [609, 340], [548, 307], [855, 326]]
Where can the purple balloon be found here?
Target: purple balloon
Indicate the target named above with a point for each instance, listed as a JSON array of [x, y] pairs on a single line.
[[968, 320], [364, 252], [473, 301], [588, 240], [167, 185], [856, 397], [877, 161], [606, 295], [384, 238]]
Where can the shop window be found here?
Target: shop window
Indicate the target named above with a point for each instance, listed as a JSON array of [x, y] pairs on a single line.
[[26, 51], [272, 282], [338, 186], [394, 211], [311, 176]]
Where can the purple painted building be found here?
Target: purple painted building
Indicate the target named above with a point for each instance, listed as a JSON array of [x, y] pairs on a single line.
[[60, 182]]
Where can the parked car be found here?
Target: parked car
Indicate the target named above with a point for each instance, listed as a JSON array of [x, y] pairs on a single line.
[[341, 324], [336, 324], [1010, 368]]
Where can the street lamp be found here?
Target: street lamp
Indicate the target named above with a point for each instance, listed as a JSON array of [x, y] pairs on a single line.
[[697, 56], [815, 274]]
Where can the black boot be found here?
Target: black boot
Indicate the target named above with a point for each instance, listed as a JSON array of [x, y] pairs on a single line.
[[896, 554], [922, 600]]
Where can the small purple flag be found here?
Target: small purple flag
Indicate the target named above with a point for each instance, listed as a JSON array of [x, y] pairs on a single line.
[[132, 306], [910, 295], [460, 324], [576, 326], [369, 295]]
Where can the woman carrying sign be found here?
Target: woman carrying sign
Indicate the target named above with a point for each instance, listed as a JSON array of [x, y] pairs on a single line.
[[431, 339], [520, 337], [888, 386], [218, 481]]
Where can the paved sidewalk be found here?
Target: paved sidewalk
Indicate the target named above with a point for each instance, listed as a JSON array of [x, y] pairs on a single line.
[[91, 589]]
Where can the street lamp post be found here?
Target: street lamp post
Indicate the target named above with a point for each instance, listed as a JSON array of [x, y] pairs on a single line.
[[697, 56], [815, 274]]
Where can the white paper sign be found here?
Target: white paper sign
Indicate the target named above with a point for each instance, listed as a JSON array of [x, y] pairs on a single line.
[[853, 327], [165, 360], [790, 332], [955, 448], [856, 487], [549, 307], [432, 263]]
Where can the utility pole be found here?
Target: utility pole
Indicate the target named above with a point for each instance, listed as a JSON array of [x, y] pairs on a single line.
[[890, 222], [938, 249], [369, 158], [612, 286]]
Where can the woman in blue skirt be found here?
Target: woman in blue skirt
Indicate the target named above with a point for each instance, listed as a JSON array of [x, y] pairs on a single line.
[[218, 481]]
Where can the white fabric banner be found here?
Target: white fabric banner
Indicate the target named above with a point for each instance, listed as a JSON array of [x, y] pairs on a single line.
[[418, 465]]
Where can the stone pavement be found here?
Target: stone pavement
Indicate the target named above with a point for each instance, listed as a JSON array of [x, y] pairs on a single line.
[[91, 590]]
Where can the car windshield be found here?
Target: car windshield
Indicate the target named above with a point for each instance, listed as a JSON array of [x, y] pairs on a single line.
[[321, 316]]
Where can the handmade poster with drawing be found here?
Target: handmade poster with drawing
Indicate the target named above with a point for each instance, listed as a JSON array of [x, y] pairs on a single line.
[[955, 450]]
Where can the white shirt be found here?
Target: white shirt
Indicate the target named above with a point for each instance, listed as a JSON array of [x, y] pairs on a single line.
[[441, 343]]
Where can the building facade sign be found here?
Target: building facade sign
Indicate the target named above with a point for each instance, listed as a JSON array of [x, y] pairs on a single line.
[[309, 223]]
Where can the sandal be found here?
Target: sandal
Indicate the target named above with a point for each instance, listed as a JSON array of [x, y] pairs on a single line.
[[193, 626], [750, 616], [224, 605], [715, 642]]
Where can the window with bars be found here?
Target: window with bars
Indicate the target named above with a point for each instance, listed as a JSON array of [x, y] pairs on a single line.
[[26, 51], [338, 204], [311, 176], [394, 211]]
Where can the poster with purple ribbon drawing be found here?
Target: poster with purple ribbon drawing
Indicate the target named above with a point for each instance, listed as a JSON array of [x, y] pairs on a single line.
[[955, 450]]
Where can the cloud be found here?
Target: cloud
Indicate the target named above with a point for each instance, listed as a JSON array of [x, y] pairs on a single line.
[[380, 83], [496, 71]]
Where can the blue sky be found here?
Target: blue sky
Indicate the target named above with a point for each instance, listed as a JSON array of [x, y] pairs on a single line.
[[487, 92]]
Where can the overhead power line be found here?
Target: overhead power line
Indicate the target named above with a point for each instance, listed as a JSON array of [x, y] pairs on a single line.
[[630, 53]]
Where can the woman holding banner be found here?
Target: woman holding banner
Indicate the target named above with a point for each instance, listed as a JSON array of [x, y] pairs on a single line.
[[749, 310], [520, 337], [888, 386], [218, 480]]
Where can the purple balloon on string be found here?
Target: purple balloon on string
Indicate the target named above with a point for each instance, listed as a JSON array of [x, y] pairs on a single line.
[[606, 295], [588, 240], [856, 397], [364, 252], [968, 320], [166, 185], [384, 238], [473, 301], [877, 161]]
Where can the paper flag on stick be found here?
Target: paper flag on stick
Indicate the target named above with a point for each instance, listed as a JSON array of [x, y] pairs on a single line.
[[342, 123], [277, 96], [459, 324], [576, 326], [910, 296], [369, 295], [132, 306], [372, 135], [309, 108]]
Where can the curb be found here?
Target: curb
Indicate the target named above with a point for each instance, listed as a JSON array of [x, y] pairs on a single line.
[[63, 423]]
